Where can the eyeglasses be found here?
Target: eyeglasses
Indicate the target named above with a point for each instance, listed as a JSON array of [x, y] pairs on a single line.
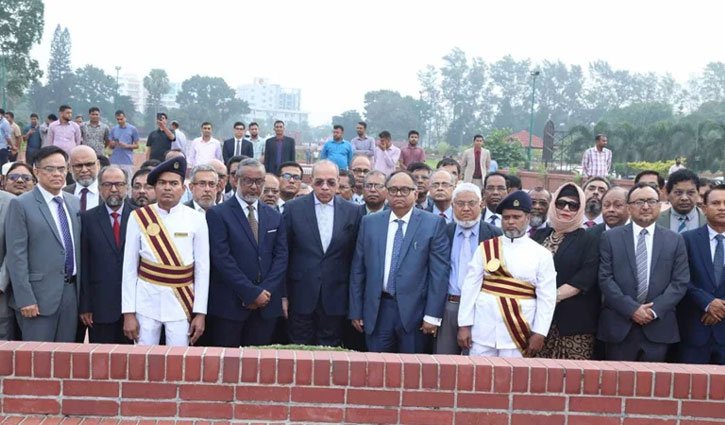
[[469, 204], [560, 204], [288, 177], [360, 170], [321, 182], [24, 177], [249, 182], [444, 185], [377, 186], [117, 185], [403, 191], [203, 184], [270, 190], [51, 169], [639, 203], [88, 165]]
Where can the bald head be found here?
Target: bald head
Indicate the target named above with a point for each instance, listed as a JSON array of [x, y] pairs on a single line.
[[221, 170], [614, 207], [84, 165]]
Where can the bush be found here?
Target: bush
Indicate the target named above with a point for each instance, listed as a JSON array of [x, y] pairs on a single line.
[[662, 167]]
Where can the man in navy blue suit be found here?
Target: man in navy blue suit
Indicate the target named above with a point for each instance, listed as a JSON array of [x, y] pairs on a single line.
[[248, 263], [399, 275], [237, 145], [103, 237], [321, 229], [701, 311]]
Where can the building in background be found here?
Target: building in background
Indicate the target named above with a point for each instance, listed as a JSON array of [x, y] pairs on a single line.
[[271, 102], [131, 85]]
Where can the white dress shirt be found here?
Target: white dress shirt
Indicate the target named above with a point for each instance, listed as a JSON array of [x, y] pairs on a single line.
[[358, 199], [92, 197], [238, 145], [487, 218], [597, 220], [648, 243], [280, 205], [713, 242], [53, 207], [449, 213], [189, 233], [325, 214], [120, 213]]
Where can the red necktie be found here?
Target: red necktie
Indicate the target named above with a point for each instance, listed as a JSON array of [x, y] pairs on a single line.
[[116, 229], [532, 231], [442, 214], [84, 200], [590, 223]]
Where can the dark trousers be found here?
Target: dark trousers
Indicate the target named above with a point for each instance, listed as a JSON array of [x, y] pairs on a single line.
[[317, 328], [636, 347], [108, 333], [351, 338], [4, 154], [710, 353], [253, 331], [389, 336]]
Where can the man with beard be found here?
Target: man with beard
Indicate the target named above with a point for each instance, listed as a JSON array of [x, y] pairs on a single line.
[[540, 201], [594, 189], [19, 179], [360, 167], [290, 181], [246, 297], [495, 187], [103, 237], [232, 165], [375, 192], [614, 211], [203, 185], [491, 323], [442, 184], [657, 181], [347, 182], [257, 142], [683, 192], [142, 193], [270, 193], [363, 144], [84, 168], [465, 234], [421, 172]]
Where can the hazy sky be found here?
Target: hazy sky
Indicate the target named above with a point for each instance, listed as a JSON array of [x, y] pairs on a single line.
[[335, 51]]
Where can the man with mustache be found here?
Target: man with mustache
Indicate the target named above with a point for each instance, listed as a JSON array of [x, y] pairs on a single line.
[[495, 188], [142, 193], [19, 179], [203, 185], [614, 211], [84, 169], [540, 201], [683, 192], [594, 189]]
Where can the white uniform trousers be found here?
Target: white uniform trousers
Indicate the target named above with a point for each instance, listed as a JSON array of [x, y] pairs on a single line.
[[150, 331], [486, 351]]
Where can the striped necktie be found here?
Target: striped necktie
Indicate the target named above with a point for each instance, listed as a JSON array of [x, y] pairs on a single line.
[[641, 255], [683, 224]]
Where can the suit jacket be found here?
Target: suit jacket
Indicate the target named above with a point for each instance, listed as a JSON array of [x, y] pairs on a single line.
[[668, 278], [190, 204], [314, 275], [664, 218], [468, 163], [577, 264], [5, 311], [270, 153], [228, 149], [596, 231], [364, 211], [35, 252], [421, 275], [102, 265], [701, 290], [70, 188], [485, 231], [242, 267]]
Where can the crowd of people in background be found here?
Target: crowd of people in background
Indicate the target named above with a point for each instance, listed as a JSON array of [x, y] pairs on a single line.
[[221, 243]]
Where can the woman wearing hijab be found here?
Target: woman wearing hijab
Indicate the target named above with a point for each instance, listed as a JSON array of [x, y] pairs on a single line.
[[576, 259]]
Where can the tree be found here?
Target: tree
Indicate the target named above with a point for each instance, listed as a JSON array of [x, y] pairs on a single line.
[[21, 26], [60, 74], [433, 112], [156, 85], [388, 110], [93, 87], [348, 120], [506, 153], [712, 86], [208, 99]]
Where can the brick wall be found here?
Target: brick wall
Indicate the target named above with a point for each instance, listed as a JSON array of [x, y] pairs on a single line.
[[269, 386]]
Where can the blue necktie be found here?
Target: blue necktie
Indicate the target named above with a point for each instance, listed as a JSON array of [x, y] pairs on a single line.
[[719, 259], [65, 233], [397, 244], [683, 224]]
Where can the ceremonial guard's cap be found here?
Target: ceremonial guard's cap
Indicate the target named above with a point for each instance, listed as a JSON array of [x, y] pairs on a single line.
[[175, 165], [518, 200]]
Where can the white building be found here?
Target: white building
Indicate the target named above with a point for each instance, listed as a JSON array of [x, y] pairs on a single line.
[[169, 99], [131, 85], [272, 101]]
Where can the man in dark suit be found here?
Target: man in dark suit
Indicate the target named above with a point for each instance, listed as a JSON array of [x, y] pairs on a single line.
[[246, 296], [614, 211], [465, 234], [702, 310], [278, 149], [103, 235], [42, 234], [643, 274], [321, 229], [237, 145], [399, 273]]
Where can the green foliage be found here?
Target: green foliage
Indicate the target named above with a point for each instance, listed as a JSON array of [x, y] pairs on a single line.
[[506, 153], [444, 149], [156, 85], [60, 75], [93, 87], [21, 27], [661, 167], [388, 110], [208, 99], [348, 120]]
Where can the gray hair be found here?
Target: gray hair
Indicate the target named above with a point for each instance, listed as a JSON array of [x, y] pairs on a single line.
[[454, 179], [248, 163], [374, 173], [467, 187], [324, 162], [112, 167], [203, 168], [542, 190]]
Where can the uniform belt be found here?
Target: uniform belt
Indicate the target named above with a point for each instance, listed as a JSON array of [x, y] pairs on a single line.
[[454, 298], [161, 274]]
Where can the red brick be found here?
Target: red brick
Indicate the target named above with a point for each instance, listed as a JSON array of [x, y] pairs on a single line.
[[551, 403], [318, 395], [303, 374], [263, 393], [426, 417], [42, 406], [625, 383], [137, 363], [206, 410], [592, 420], [520, 375], [192, 364], [340, 369], [591, 381], [538, 377], [285, 367], [119, 362], [322, 365], [528, 419], [175, 364], [90, 407], [148, 390], [703, 409], [269, 412], [358, 369], [373, 397], [447, 374], [502, 375], [663, 384], [595, 404], [148, 409], [699, 386], [648, 421], [316, 414], [428, 399], [31, 387], [206, 392], [644, 380], [61, 363], [483, 401], [6, 362], [429, 371], [717, 386], [700, 422], [212, 364], [411, 372], [101, 362], [609, 382], [643, 406], [481, 418], [465, 372], [231, 365], [42, 363], [393, 370], [156, 359], [358, 415], [24, 359], [555, 380], [81, 360], [572, 381], [90, 388]]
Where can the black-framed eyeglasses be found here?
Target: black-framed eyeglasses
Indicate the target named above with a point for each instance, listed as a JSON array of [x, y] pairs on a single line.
[[639, 203], [377, 186], [403, 191], [24, 177], [117, 185], [248, 182]]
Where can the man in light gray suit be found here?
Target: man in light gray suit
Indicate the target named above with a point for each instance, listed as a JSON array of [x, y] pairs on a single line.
[[42, 235], [643, 274], [7, 322]]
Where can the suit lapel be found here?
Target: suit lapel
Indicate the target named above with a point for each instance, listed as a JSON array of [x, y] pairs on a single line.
[[45, 211], [261, 222], [124, 221], [337, 222], [656, 250], [628, 239], [312, 218], [383, 240], [104, 221], [703, 244], [243, 221], [409, 234]]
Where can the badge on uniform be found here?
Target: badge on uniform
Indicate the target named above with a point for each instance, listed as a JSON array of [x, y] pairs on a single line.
[[180, 235], [493, 265], [153, 229]]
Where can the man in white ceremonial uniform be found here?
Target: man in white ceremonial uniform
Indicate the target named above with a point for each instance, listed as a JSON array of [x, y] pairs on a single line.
[[509, 293], [166, 264]]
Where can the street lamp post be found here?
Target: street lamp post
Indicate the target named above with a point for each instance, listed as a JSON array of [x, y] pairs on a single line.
[[115, 98], [534, 74]]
